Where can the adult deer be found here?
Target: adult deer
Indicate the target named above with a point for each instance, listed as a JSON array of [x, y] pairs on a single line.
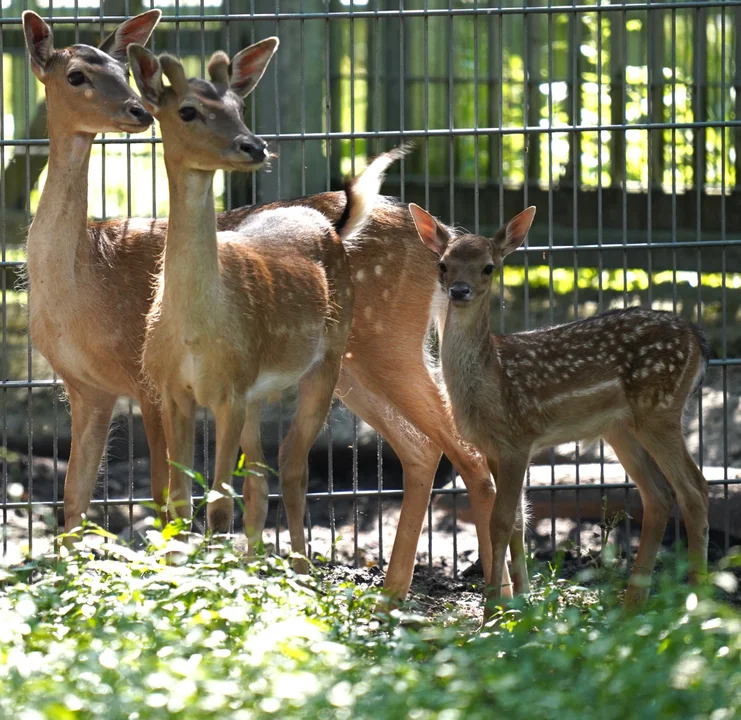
[[238, 317], [82, 281], [92, 329], [624, 375]]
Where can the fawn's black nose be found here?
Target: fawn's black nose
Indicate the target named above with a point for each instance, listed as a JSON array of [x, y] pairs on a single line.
[[459, 291], [254, 147], [141, 114]]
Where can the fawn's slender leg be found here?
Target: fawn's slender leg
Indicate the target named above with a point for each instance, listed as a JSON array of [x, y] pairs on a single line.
[[419, 460], [178, 422], [519, 582], [229, 422], [657, 500], [510, 478], [664, 440], [255, 486], [421, 403], [91, 416], [157, 454], [314, 400]]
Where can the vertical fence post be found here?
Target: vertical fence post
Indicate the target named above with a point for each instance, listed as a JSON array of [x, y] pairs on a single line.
[[287, 62], [617, 99], [534, 40], [656, 50]]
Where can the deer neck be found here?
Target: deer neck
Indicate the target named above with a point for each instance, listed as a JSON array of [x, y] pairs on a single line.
[[191, 265], [467, 346], [58, 239]]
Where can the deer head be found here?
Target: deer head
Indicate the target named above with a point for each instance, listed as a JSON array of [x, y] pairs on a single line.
[[87, 88], [468, 261], [202, 125]]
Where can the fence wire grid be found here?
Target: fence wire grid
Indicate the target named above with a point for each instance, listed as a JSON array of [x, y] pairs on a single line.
[[621, 122]]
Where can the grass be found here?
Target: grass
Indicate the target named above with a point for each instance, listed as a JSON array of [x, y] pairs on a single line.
[[114, 633]]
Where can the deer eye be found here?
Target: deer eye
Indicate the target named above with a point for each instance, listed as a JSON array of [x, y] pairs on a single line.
[[76, 78], [443, 267], [187, 113], [488, 269]]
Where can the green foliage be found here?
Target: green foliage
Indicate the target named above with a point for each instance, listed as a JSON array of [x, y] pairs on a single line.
[[121, 634]]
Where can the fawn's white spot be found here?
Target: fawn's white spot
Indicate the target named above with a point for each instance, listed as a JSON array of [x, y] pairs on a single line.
[[368, 312], [588, 391], [348, 356], [359, 275], [379, 270], [386, 294], [378, 327]]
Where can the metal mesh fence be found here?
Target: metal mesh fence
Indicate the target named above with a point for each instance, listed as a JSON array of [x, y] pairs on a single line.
[[620, 122]]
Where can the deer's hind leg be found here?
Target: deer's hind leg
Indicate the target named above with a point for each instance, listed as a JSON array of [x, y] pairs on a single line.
[[657, 499], [407, 386], [419, 460], [663, 438], [314, 400]]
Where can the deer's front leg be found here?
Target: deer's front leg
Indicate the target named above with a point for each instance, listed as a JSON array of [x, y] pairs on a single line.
[[510, 477], [178, 420], [91, 415], [255, 489], [158, 468], [229, 422]]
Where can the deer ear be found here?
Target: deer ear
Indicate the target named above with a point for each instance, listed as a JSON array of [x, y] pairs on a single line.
[[175, 73], [135, 31], [513, 234], [432, 234], [39, 41], [147, 75], [248, 66]]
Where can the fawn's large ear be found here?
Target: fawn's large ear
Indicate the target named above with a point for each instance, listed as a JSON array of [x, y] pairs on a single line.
[[248, 65], [39, 41], [147, 73], [513, 234], [432, 234], [135, 31]]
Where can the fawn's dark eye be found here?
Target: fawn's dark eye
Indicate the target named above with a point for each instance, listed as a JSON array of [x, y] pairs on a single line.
[[488, 269], [75, 78], [443, 267], [187, 113]]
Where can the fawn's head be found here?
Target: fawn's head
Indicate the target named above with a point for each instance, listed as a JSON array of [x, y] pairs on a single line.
[[202, 125], [468, 261], [87, 88]]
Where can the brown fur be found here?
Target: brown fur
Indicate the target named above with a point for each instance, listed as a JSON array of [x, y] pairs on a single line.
[[72, 266], [236, 318], [624, 375]]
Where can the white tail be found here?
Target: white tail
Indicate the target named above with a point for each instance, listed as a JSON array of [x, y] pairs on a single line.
[[624, 375]]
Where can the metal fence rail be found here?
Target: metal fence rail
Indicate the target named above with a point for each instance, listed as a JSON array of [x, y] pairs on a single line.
[[621, 122]]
